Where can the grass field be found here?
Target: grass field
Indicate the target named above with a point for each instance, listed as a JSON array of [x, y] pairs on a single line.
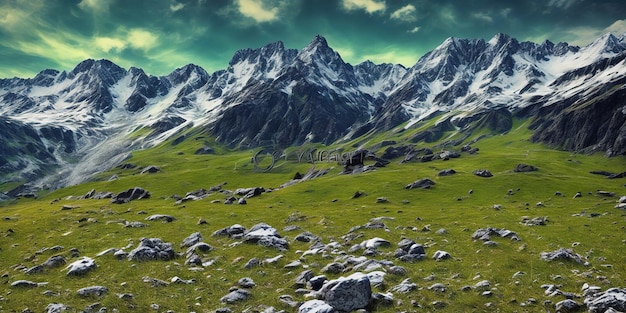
[[590, 225]]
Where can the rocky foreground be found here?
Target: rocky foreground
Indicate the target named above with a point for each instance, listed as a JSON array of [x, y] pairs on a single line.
[[363, 264]]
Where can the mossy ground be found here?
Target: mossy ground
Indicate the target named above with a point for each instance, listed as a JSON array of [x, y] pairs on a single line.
[[326, 208]]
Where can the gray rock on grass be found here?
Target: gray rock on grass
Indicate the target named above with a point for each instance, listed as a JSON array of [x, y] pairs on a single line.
[[24, 284], [81, 266], [347, 294], [161, 217], [611, 299], [131, 194], [482, 173], [151, 249], [267, 236], [235, 231], [316, 306], [562, 254], [191, 240], [441, 255], [425, 183], [92, 291], [236, 295]]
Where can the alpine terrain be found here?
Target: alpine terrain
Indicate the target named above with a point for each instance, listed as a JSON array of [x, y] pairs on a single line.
[[62, 127]]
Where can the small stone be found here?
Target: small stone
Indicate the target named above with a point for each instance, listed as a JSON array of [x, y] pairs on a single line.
[[92, 291]]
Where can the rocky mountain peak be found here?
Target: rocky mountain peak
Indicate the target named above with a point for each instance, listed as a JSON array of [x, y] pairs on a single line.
[[189, 71]]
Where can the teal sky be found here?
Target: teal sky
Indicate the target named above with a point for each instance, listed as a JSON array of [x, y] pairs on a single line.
[[161, 35]]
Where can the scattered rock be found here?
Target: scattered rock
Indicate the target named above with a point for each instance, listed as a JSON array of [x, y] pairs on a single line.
[[151, 249], [375, 243], [56, 308], [307, 237], [249, 192], [254, 262], [303, 278], [358, 194], [535, 221], [349, 293], [441, 255], [267, 236], [317, 282], [92, 291], [205, 150], [446, 172], [405, 286], [191, 240], [246, 282], [425, 183], [567, 306], [81, 267], [563, 254], [316, 306], [438, 287], [333, 268], [482, 173], [150, 169], [136, 193], [611, 299], [235, 231], [524, 168], [24, 284], [236, 295], [486, 233], [161, 217], [603, 193]]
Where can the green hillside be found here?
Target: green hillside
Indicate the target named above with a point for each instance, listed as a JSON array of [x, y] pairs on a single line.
[[443, 217]]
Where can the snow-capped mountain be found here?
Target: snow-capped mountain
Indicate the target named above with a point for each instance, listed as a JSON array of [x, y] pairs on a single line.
[[71, 125]]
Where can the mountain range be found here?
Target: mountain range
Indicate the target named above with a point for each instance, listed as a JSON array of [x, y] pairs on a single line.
[[60, 128]]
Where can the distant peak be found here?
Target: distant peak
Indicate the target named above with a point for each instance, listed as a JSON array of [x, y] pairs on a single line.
[[318, 40], [499, 39]]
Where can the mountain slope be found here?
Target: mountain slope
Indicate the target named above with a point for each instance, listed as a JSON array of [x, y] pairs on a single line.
[[84, 121]]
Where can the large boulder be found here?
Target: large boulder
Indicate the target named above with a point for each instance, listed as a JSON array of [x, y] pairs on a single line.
[[151, 249], [613, 298], [81, 266], [421, 184], [347, 294], [267, 236], [130, 195]]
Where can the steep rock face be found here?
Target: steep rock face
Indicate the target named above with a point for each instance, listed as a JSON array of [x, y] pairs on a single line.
[[22, 149], [597, 123]]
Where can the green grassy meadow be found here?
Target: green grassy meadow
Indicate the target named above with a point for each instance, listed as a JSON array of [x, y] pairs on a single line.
[[590, 225]]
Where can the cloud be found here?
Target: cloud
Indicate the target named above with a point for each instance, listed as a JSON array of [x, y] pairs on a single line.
[[98, 6], [563, 4], [483, 17], [446, 15], [257, 10], [414, 30], [135, 38], [505, 12], [142, 39], [370, 6], [176, 6], [107, 44], [617, 28], [405, 14]]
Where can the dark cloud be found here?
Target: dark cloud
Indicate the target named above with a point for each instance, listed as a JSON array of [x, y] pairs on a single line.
[[162, 35]]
